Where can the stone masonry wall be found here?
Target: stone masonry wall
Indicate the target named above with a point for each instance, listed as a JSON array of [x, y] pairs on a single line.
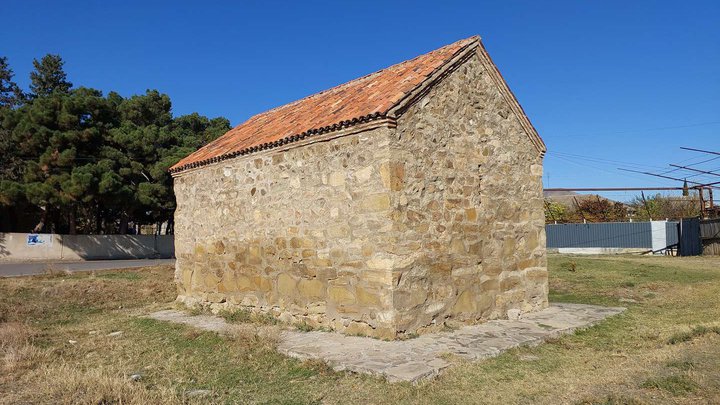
[[468, 216], [390, 231], [300, 234]]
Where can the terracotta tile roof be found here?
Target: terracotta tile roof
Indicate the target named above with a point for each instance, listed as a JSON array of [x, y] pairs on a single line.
[[360, 100]]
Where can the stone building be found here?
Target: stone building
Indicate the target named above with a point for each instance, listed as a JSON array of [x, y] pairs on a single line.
[[400, 202]]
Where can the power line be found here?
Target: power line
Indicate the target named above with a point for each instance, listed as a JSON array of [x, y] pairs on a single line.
[[695, 170], [670, 178], [601, 160], [613, 189], [699, 124], [585, 165], [700, 150], [691, 164]]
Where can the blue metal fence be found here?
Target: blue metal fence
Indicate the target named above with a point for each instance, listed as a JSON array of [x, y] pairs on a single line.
[[610, 235]]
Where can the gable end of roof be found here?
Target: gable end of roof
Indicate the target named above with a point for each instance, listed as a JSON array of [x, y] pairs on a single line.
[[511, 100]]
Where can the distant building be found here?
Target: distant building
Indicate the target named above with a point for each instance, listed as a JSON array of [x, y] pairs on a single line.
[[394, 203]]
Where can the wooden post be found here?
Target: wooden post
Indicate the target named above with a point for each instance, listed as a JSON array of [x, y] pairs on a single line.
[[547, 207], [605, 217], [580, 210], [642, 194]]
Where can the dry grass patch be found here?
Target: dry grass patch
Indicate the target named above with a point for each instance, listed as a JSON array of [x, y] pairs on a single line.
[[65, 384], [16, 348], [663, 349]]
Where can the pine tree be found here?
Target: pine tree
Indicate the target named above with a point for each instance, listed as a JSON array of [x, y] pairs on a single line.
[[49, 76], [76, 161], [11, 97], [10, 94]]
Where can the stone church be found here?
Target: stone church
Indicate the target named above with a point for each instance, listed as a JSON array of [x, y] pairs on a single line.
[[402, 202]]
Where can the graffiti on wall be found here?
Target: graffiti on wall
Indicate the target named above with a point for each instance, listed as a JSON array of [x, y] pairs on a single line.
[[39, 239]]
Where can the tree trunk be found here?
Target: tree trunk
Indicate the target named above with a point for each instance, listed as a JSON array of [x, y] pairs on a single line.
[[72, 225], [170, 225], [123, 223], [98, 219], [39, 227]]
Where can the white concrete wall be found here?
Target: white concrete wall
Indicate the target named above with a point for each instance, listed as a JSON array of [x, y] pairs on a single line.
[[16, 247], [596, 251]]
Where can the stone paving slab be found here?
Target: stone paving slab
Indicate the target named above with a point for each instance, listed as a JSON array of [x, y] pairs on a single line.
[[421, 358]]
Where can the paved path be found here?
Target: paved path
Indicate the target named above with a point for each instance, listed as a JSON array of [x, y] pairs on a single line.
[[32, 268], [420, 358]]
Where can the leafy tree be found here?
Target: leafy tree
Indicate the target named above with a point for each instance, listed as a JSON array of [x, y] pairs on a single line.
[[590, 208], [602, 210], [659, 207], [555, 212], [49, 76]]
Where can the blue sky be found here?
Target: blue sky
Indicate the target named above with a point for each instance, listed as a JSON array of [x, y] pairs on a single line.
[[607, 84]]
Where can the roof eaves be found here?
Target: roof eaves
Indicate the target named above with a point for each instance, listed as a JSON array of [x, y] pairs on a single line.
[[284, 141]]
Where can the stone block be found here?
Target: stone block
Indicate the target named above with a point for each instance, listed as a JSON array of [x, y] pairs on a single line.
[[465, 303], [337, 179], [211, 280], [508, 249], [312, 289], [393, 175], [376, 202], [369, 298], [407, 298], [341, 295], [379, 276], [261, 283], [471, 214], [286, 285], [536, 275], [254, 255], [510, 282], [457, 246], [364, 174], [380, 263]]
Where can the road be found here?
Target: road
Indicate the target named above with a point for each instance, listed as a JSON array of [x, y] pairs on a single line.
[[32, 268]]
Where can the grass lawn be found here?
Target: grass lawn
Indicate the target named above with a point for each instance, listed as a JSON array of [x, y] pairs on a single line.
[[55, 346]]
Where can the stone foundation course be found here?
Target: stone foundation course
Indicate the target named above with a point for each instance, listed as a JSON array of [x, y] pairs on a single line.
[[424, 357]]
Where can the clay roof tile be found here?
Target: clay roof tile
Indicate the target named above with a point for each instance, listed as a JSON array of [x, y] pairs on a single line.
[[370, 96]]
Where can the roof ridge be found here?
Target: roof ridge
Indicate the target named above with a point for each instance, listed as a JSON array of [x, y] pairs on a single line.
[[367, 76]]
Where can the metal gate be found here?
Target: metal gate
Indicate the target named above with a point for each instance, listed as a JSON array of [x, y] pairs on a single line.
[[689, 242], [710, 235]]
